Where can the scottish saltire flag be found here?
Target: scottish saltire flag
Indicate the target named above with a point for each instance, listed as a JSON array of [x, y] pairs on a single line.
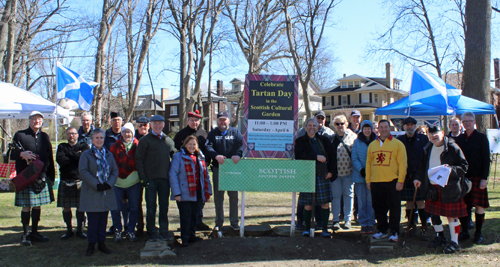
[[71, 86], [431, 90]]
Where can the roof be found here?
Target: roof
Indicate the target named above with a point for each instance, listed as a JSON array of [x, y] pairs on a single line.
[[370, 84], [145, 102]]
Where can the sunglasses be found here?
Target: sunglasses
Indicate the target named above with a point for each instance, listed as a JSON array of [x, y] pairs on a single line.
[[142, 125], [339, 123]]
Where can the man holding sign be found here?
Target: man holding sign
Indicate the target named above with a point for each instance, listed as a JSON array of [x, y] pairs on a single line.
[[224, 142], [443, 200]]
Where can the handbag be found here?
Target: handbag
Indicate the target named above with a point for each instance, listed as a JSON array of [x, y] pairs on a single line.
[[29, 175], [39, 184]]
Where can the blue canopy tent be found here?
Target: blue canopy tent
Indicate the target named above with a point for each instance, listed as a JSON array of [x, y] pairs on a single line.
[[463, 104]]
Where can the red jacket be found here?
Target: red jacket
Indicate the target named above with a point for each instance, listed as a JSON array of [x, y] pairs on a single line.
[[124, 160]]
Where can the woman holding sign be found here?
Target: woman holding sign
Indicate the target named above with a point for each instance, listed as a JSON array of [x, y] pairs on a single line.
[[313, 146], [448, 200]]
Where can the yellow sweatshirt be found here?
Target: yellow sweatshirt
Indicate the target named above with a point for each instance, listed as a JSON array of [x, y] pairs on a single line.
[[387, 162]]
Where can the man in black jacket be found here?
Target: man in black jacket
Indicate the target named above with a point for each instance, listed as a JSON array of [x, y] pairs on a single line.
[[32, 142], [68, 157], [224, 142], [114, 133], [193, 128], [86, 129], [414, 144], [476, 149]]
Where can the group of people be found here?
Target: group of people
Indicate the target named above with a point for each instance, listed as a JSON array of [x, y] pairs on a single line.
[[103, 171], [365, 173]]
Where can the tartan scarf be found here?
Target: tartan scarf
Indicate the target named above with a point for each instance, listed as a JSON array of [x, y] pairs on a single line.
[[102, 164], [192, 175]]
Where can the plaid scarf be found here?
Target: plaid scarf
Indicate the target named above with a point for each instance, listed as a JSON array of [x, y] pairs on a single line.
[[102, 164], [192, 175]]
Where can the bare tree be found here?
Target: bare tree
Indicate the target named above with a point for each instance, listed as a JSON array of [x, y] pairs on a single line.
[[478, 55], [304, 33], [110, 11], [149, 25], [258, 29]]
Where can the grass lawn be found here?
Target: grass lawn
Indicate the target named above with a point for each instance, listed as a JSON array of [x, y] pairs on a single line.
[[261, 208]]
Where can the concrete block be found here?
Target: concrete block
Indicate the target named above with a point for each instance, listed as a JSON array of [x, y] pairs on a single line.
[[150, 255], [257, 230], [167, 254], [155, 246]]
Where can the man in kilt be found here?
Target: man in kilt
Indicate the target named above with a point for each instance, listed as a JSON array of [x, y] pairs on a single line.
[[68, 194], [414, 144], [476, 149], [33, 142], [448, 200], [386, 166]]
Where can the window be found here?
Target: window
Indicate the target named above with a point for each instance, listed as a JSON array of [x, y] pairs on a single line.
[[356, 83], [344, 84], [396, 85], [344, 100], [351, 84], [216, 108], [174, 126], [332, 100], [173, 110], [375, 98], [326, 101], [366, 117], [366, 98]]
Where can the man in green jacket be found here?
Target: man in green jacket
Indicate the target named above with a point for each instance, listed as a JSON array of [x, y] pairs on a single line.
[[153, 164]]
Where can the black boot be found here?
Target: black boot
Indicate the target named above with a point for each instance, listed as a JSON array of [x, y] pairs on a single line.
[[35, 218], [67, 216], [80, 217], [90, 249], [101, 246]]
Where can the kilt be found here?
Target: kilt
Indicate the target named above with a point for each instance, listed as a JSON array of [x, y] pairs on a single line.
[[408, 192], [28, 198], [454, 209], [477, 197], [323, 193], [64, 201]]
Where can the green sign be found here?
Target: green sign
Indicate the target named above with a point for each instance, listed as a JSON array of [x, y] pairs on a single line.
[[268, 175]]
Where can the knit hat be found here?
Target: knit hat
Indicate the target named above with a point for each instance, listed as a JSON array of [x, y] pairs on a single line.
[[129, 126]]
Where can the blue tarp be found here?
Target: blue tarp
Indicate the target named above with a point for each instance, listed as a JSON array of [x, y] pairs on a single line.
[[463, 104]]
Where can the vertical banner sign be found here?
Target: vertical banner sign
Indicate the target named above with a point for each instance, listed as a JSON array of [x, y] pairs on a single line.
[[271, 115]]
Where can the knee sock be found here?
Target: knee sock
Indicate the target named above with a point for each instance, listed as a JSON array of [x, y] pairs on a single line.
[[325, 215], [80, 216], [464, 222], [454, 230], [67, 216], [423, 217], [35, 218], [25, 220], [307, 219], [479, 222], [439, 230]]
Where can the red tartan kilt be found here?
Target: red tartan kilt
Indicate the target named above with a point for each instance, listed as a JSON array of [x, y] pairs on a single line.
[[477, 197], [454, 209]]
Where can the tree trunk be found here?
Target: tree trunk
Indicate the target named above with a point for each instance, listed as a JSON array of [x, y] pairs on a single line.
[[478, 55], [11, 43], [4, 28]]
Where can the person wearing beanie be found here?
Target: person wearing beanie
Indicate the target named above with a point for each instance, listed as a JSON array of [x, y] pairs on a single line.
[[127, 183], [448, 200], [366, 216], [113, 134]]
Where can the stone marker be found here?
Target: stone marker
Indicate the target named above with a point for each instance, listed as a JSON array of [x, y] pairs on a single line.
[[155, 246], [156, 250], [378, 249], [167, 254], [285, 230], [150, 255]]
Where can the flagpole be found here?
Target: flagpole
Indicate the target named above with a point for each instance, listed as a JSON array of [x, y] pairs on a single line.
[[55, 120]]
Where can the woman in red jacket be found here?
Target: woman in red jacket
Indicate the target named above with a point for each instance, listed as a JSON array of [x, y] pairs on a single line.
[[127, 183]]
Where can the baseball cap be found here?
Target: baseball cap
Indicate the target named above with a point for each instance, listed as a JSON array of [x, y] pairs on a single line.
[[34, 113], [222, 114]]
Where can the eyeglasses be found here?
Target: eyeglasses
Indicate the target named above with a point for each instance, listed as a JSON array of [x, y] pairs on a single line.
[[468, 121], [72, 133], [340, 123], [142, 125]]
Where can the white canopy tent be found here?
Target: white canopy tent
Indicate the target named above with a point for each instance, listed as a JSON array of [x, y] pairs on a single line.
[[17, 103]]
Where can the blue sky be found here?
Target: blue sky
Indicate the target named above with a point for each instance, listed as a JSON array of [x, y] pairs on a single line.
[[355, 23]]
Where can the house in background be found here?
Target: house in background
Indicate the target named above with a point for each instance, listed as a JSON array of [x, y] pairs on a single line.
[[145, 105], [365, 94]]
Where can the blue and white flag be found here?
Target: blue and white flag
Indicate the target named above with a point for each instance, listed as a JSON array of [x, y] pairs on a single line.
[[71, 86], [429, 89]]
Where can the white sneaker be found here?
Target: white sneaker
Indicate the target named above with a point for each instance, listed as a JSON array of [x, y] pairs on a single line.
[[380, 235], [393, 237]]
